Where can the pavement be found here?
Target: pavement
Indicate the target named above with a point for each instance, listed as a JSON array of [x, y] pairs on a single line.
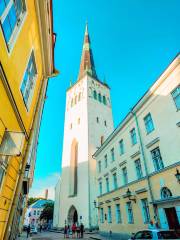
[[60, 236]]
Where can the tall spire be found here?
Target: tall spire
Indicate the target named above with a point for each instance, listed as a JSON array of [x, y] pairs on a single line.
[[87, 62]]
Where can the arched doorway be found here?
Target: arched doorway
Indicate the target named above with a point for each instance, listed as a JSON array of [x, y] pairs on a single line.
[[72, 215]]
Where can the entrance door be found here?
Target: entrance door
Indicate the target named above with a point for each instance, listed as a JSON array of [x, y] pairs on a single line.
[[172, 218]]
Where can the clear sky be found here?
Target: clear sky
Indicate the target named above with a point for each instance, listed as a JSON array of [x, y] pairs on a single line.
[[133, 41]]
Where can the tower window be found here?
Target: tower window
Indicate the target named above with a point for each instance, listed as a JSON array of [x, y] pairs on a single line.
[[79, 97], [70, 126], [104, 100], [75, 100], [79, 120], [97, 120], [99, 97], [102, 139], [95, 94], [105, 123], [72, 102]]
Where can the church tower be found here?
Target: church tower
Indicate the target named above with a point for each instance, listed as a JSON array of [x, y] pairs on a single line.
[[88, 122]]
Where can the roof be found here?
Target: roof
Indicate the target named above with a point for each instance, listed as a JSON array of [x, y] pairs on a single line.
[[40, 203]]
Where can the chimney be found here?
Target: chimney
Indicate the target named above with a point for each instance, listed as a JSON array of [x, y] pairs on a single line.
[[46, 194]]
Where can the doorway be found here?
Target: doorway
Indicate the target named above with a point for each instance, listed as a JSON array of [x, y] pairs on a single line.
[[72, 215], [172, 218]]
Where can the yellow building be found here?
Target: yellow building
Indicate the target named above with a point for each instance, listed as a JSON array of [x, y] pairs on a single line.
[[138, 166], [26, 62]]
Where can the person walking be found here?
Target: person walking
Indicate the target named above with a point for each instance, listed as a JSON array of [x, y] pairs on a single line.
[[68, 231], [78, 231], [65, 231], [82, 230], [73, 230], [28, 230]]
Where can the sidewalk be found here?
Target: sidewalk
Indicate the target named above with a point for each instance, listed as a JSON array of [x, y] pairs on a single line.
[[24, 236]]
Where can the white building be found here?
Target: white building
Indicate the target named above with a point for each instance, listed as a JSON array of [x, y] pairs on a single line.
[[88, 122]]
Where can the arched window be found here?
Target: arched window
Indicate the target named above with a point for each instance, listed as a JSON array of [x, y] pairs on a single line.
[[75, 99], [73, 168], [72, 102], [102, 140], [104, 100], [165, 193], [99, 97], [95, 94], [79, 97]]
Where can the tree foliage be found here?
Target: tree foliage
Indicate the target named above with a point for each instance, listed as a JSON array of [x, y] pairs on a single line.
[[47, 213]]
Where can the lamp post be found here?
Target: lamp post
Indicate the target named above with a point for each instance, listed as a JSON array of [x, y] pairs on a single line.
[[177, 175], [129, 195], [96, 207]]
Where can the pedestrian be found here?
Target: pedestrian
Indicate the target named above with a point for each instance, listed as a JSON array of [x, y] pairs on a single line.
[[82, 230], [73, 230], [28, 230], [68, 231], [65, 231], [78, 231], [40, 228]]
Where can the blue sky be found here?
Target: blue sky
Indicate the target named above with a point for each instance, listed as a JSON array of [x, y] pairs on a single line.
[[133, 41]]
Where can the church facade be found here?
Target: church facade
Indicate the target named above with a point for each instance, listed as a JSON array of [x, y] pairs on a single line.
[[88, 122]]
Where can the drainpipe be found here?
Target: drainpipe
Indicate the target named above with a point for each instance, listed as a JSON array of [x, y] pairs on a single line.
[[144, 160]]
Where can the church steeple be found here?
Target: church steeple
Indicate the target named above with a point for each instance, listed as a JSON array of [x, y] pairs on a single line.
[[87, 62]]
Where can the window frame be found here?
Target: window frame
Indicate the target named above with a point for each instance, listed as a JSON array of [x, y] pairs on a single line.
[[145, 210], [20, 18], [29, 102], [112, 154], [107, 185], [137, 168], [157, 161], [118, 213], [125, 176], [133, 136], [109, 215], [149, 124], [177, 87], [121, 147], [130, 215], [105, 161]]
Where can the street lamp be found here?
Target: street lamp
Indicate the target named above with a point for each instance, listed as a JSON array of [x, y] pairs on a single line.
[[177, 175], [129, 194]]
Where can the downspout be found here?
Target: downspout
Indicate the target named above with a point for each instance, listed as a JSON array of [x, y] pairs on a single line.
[[144, 160]]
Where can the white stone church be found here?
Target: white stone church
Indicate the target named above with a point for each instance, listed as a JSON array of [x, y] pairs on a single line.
[[88, 122]]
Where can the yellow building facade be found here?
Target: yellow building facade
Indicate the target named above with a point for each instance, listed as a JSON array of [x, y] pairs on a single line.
[[26, 62], [138, 166]]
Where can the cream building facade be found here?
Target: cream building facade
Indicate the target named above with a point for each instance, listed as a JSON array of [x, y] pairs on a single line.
[[138, 166], [88, 121]]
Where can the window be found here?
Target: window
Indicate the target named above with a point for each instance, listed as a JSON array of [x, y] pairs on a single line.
[[129, 212], [38, 213], [176, 97], [104, 100], [125, 176], [79, 97], [34, 212], [138, 169], [118, 213], [100, 188], [72, 103], [102, 139], [99, 166], [11, 15], [105, 123], [149, 123], [107, 185], [79, 120], [71, 126], [75, 100], [145, 210], [105, 161], [165, 193], [3, 167], [109, 215], [97, 120], [115, 181], [99, 97], [133, 136], [121, 147], [157, 159], [95, 94], [143, 235], [101, 215], [28, 82], [112, 155]]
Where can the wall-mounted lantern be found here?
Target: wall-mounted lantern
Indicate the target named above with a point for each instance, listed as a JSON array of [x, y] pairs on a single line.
[[177, 175], [129, 195]]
